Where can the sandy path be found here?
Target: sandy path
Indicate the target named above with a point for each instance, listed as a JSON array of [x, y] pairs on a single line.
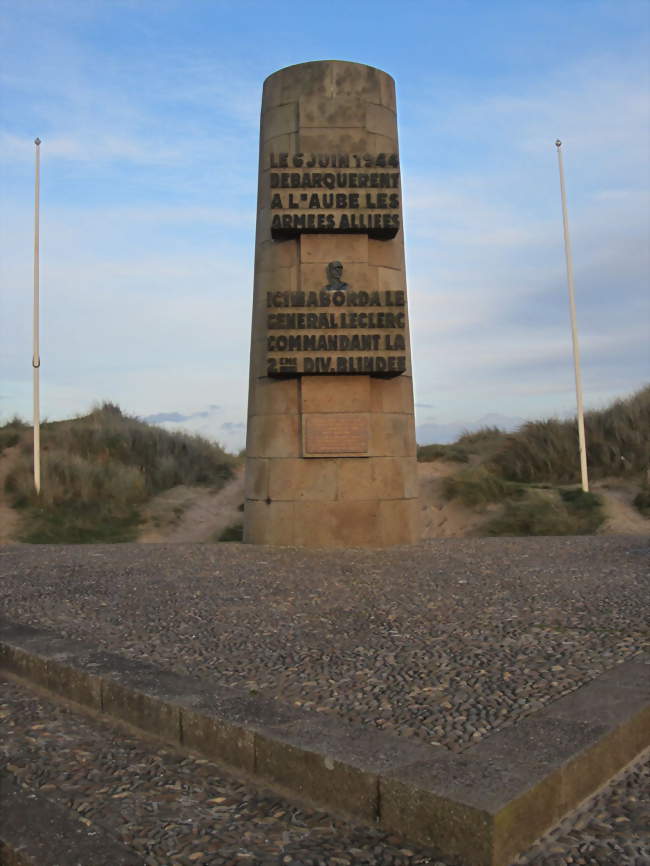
[[8, 515], [193, 514], [442, 518], [622, 516]]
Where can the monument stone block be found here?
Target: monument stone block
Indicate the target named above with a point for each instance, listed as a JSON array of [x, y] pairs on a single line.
[[331, 429]]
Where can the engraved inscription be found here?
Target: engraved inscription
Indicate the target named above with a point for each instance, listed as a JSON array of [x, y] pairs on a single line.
[[335, 434], [347, 193], [336, 330]]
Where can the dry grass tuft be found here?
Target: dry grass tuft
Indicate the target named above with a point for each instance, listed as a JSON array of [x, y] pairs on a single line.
[[97, 470], [618, 443]]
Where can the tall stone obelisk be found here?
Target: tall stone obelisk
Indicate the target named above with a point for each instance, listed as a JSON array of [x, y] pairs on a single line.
[[330, 450]]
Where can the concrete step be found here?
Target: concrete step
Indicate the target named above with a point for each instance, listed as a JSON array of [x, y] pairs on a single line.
[[481, 807]]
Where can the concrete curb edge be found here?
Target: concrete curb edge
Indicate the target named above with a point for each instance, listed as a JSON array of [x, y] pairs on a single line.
[[480, 807]]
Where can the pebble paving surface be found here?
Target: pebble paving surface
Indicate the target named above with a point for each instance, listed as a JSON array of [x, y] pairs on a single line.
[[171, 808], [443, 642]]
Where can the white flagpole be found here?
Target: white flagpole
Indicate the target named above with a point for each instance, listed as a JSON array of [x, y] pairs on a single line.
[[36, 358], [574, 332]]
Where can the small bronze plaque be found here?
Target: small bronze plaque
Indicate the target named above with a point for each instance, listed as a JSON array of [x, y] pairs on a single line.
[[335, 435]]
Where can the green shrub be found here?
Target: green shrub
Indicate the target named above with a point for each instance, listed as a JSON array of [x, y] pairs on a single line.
[[234, 532], [76, 523], [475, 486], [545, 513], [642, 502]]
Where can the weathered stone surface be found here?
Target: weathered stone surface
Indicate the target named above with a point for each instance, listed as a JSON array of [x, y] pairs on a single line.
[[392, 435], [324, 394], [274, 397], [332, 762], [392, 395], [377, 478], [343, 111], [269, 522], [326, 248], [257, 479], [273, 436], [295, 479], [281, 119], [386, 254], [399, 521], [337, 524]]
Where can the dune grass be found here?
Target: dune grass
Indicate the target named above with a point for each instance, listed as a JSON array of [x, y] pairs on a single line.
[[481, 443], [11, 433], [99, 469], [618, 444], [527, 472], [476, 486]]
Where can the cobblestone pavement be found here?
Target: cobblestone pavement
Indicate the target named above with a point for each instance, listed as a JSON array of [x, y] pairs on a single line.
[[444, 642], [172, 808]]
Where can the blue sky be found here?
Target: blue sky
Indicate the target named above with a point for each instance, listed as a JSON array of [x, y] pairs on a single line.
[[149, 118]]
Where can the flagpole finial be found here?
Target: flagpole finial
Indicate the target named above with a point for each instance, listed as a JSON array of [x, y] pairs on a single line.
[[558, 143], [37, 141]]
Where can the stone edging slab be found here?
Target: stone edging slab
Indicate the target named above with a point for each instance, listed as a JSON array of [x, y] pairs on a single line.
[[481, 807]]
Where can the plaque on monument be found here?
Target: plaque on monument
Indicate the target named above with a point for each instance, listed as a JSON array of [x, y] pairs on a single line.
[[336, 330], [331, 435]]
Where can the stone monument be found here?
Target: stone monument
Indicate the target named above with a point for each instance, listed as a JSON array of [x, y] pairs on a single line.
[[330, 450]]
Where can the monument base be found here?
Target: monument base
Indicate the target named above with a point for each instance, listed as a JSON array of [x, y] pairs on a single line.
[[330, 463]]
